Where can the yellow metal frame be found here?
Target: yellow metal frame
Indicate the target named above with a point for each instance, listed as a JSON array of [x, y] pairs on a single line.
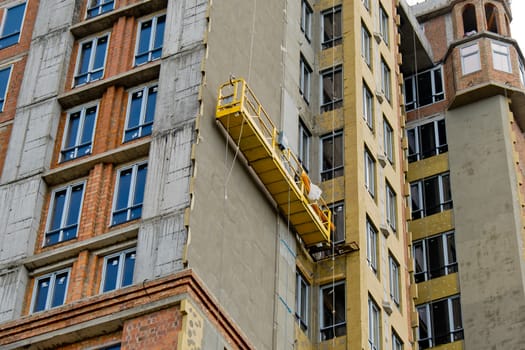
[[250, 127]]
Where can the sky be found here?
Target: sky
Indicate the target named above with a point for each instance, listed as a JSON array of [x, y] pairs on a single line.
[[517, 24]]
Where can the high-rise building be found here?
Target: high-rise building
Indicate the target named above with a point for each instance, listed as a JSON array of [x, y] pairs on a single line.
[[261, 174]]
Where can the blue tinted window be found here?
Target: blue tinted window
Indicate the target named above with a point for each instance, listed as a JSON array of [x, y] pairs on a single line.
[[92, 57], [78, 136], [118, 271], [150, 39], [50, 291], [64, 214], [12, 25], [141, 113], [110, 280], [98, 7], [129, 267], [59, 292], [42, 291], [130, 194], [4, 80]]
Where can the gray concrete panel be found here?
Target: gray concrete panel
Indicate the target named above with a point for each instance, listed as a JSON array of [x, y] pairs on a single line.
[[488, 225], [12, 281], [185, 25]]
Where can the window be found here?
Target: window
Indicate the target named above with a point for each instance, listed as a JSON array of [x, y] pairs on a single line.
[[501, 57], [430, 196], [388, 140], [427, 140], [383, 25], [390, 204], [397, 344], [129, 193], [394, 280], [12, 25], [424, 88], [368, 107], [332, 155], [50, 290], [491, 15], [111, 347], [78, 134], [366, 3], [370, 173], [374, 330], [331, 26], [332, 89], [333, 311], [141, 112], [385, 80], [440, 322], [365, 44], [434, 257], [91, 60], [304, 146], [338, 218], [306, 20], [64, 215], [118, 270], [470, 25], [150, 38], [470, 61], [301, 301], [98, 7], [522, 72], [305, 79], [5, 74], [371, 245]]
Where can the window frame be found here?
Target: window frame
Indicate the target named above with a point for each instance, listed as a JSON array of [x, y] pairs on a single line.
[[65, 213], [143, 111], [366, 4], [386, 80], [50, 293], [18, 33], [388, 140], [306, 19], [454, 333], [101, 7], [418, 185], [450, 263], [337, 170], [390, 206], [374, 325], [338, 207], [366, 39], [372, 246], [304, 145], [94, 44], [397, 343], [151, 41], [394, 270], [299, 299], [334, 325], [305, 79], [384, 25], [335, 40], [335, 103], [465, 53], [368, 106], [436, 149], [121, 268], [83, 110], [496, 48], [131, 194], [370, 172], [6, 87], [410, 83]]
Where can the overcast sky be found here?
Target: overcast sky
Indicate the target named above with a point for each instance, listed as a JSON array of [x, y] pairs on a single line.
[[517, 24]]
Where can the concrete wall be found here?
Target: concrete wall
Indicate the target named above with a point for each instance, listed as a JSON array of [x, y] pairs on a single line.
[[488, 225]]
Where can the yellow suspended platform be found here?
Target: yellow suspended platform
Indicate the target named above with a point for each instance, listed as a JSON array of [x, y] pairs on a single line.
[[252, 130]]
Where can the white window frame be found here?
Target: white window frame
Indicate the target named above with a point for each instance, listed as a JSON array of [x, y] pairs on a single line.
[[6, 88], [390, 207], [299, 298], [52, 276], [120, 272], [306, 19], [92, 55], [384, 26], [65, 212], [397, 344], [410, 83], [305, 79], [334, 135], [395, 285], [304, 145], [522, 72], [374, 325], [143, 108], [323, 327], [82, 109], [368, 106], [503, 51], [365, 44], [388, 140], [370, 173], [386, 80], [449, 266], [371, 246], [4, 19], [469, 63], [417, 189], [154, 20], [99, 6], [426, 309], [340, 208], [132, 189]]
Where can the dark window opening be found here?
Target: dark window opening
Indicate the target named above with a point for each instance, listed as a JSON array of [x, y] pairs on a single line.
[[491, 16], [470, 25]]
